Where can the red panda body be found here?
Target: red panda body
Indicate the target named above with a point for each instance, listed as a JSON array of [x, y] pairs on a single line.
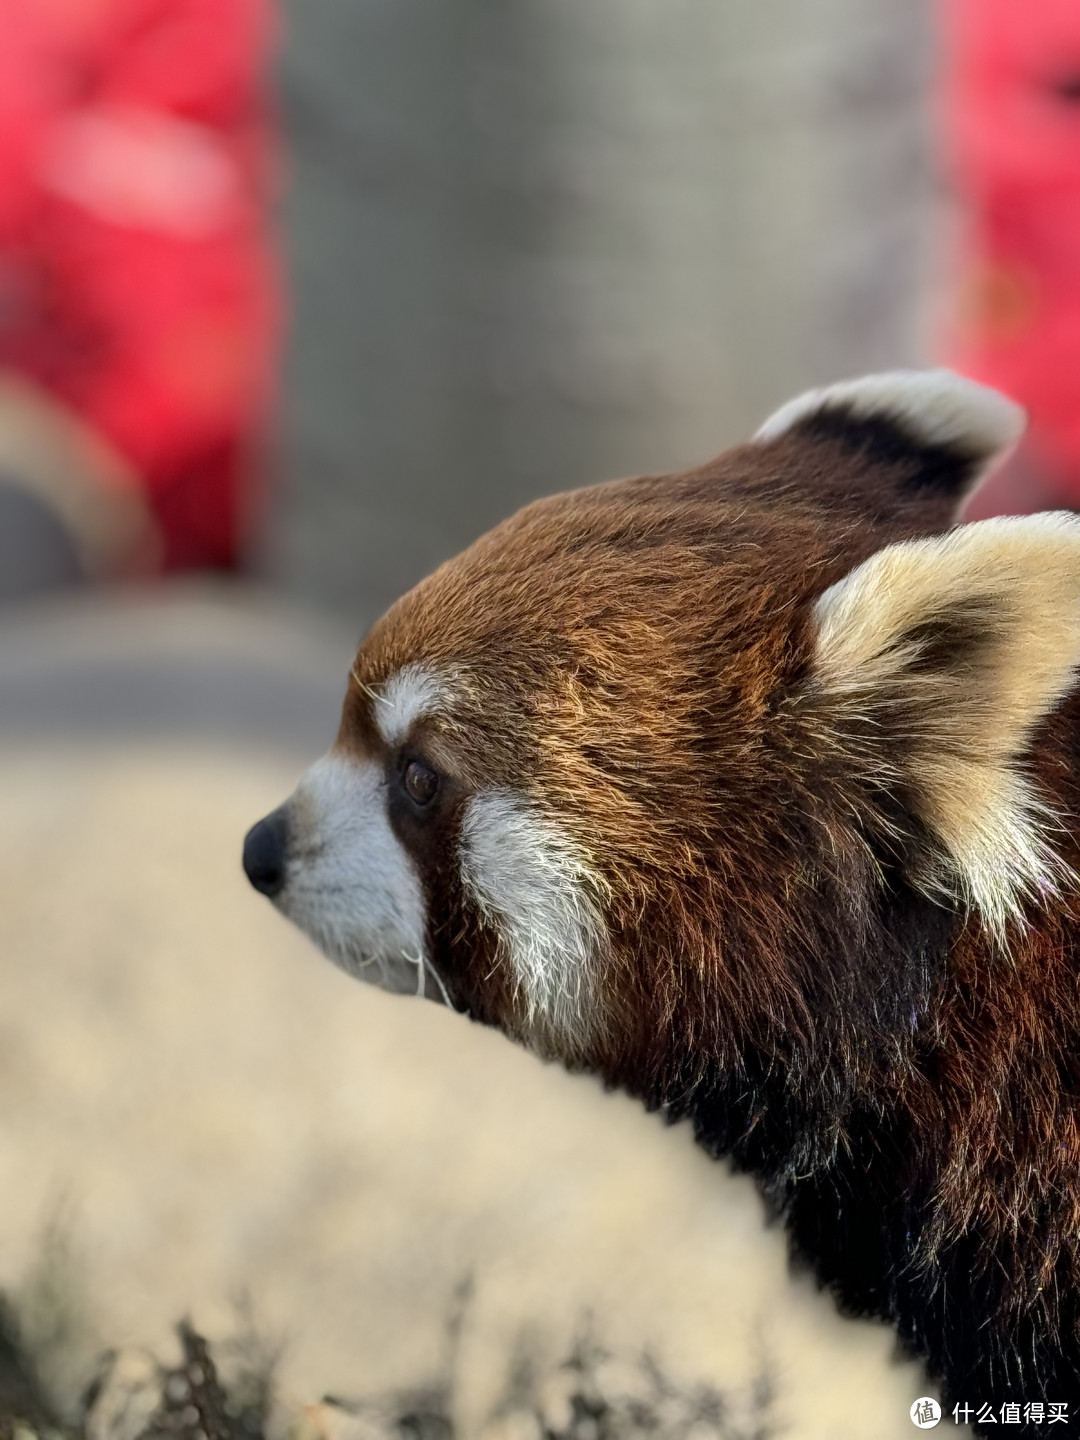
[[755, 791]]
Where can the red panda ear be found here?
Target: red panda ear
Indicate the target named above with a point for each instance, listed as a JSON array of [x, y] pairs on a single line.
[[928, 434], [935, 661]]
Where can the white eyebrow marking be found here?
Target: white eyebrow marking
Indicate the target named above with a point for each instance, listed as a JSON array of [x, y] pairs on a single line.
[[406, 696]]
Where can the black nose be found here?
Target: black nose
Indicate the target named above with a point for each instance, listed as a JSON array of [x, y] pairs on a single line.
[[264, 853]]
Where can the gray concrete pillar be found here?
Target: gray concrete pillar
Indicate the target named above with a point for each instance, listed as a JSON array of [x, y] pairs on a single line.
[[545, 242]]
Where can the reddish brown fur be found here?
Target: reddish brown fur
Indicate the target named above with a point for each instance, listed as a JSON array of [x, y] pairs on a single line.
[[603, 635], [636, 658]]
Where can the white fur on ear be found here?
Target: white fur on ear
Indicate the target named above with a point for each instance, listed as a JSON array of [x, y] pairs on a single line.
[[933, 408], [950, 651]]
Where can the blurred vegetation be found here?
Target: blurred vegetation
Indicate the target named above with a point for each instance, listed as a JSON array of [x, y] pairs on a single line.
[[227, 1392]]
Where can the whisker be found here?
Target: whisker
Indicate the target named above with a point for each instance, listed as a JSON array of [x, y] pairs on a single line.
[[439, 981], [423, 965], [368, 691]]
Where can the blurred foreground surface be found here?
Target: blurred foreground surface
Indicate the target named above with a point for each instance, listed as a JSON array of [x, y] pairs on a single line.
[[201, 1109]]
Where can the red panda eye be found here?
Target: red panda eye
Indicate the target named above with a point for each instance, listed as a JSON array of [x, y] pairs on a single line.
[[421, 782]]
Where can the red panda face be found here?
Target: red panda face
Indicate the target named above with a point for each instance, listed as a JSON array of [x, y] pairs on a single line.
[[637, 775], [755, 790]]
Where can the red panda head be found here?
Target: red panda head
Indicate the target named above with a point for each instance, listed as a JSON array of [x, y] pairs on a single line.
[[674, 770]]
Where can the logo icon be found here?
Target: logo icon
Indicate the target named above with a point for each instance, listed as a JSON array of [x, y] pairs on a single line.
[[925, 1413]]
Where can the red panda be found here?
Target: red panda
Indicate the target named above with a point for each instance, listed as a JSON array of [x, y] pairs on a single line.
[[754, 791]]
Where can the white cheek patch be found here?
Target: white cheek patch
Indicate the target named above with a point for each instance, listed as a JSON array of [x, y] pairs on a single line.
[[350, 884], [533, 885], [408, 695]]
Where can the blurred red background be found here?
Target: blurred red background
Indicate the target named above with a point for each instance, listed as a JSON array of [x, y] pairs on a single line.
[[137, 283], [1012, 140], [139, 291]]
